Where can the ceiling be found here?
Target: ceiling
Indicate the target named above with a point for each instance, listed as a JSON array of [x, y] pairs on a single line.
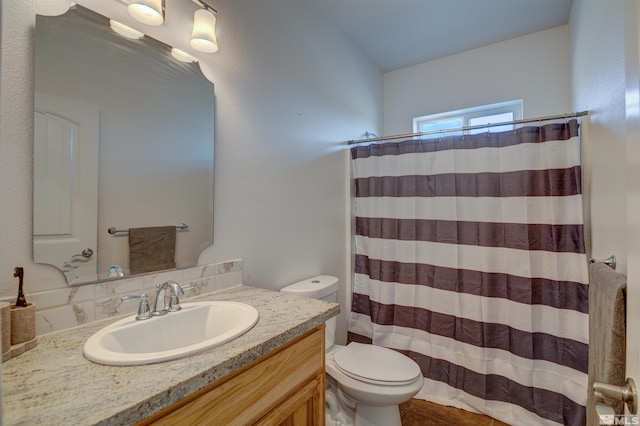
[[393, 33], [398, 33]]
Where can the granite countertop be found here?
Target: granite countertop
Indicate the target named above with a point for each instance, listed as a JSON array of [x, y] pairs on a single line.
[[54, 384]]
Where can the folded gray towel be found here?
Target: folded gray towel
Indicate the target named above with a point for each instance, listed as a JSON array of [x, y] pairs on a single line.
[[152, 249], [607, 331]]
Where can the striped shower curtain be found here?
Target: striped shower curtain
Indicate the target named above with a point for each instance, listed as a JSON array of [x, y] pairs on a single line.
[[469, 258]]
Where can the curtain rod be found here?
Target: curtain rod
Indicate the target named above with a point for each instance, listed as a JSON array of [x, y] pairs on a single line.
[[466, 128]]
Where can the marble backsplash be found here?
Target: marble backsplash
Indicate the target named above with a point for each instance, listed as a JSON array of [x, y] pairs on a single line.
[[68, 307]]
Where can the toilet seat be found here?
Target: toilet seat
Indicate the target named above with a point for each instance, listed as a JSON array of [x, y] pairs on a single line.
[[376, 365]]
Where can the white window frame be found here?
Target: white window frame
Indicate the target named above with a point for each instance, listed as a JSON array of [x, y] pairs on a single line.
[[464, 115]]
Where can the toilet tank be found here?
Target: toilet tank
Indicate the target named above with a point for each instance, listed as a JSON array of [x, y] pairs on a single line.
[[323, 287]]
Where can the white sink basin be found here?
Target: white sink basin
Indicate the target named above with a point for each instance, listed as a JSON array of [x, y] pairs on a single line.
[[199, 326]]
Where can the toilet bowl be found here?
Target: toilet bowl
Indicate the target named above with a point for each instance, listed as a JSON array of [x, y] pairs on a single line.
[[375, 379], [365, 383], [340, 410]]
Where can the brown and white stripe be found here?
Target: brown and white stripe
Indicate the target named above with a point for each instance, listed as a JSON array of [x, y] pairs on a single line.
[[470, 259]]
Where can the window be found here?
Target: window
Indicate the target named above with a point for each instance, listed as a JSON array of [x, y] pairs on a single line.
[[485, 114]]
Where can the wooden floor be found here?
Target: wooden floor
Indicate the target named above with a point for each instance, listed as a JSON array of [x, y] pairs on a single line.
[[416, 412]]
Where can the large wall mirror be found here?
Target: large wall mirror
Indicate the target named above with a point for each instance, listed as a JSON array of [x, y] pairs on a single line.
[[123, 139]]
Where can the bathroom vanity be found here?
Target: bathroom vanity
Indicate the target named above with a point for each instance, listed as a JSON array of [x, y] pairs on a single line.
[[284, 386], [272, 374]]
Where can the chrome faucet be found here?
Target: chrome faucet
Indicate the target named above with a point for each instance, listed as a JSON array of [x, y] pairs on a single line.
[[160, 308], [174, 303]]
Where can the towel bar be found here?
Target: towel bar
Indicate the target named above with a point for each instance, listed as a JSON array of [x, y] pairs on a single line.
[[609, 261], [113, 230]]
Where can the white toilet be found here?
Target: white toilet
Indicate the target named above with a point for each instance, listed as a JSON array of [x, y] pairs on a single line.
[[371, 380]]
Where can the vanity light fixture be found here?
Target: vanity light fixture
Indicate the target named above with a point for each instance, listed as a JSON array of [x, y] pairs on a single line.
[[182, 56], [125, 31], [150, 12], [203, 38]]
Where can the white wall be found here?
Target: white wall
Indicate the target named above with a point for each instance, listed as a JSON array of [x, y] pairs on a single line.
[[598, 85], [534, 68], [605, 64], [16, 138], [289, 90]]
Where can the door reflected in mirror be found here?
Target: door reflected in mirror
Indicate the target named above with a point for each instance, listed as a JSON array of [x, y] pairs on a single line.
[[123, 138]]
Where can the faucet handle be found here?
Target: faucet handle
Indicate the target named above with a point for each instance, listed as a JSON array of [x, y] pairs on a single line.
[[174, 301], [144, 311]]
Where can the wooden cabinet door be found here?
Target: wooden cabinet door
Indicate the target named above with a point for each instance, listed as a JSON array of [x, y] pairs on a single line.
[[306, 407], [284, 387]]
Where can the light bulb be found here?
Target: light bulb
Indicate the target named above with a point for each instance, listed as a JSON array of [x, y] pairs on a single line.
[[150, 12], [203, 38], [182, 56], [125, 31], [52, 7]]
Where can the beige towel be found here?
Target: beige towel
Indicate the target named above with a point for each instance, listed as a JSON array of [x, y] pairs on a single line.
[[152, 249], [606, 333]]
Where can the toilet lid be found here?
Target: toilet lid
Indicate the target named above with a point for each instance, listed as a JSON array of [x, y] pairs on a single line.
[[371, 363]]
